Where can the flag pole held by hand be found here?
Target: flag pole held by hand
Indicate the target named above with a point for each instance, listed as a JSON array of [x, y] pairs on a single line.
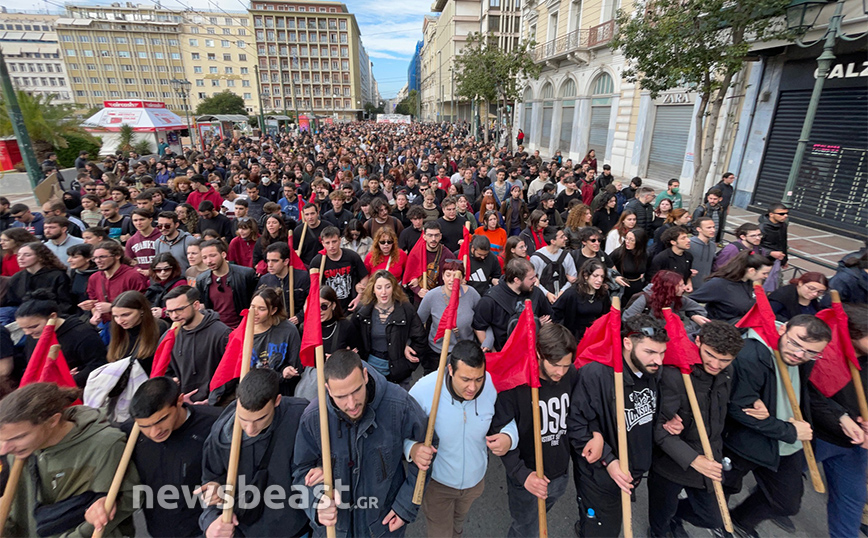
[[854, 372], [432, 417], [325, 440], [538, 456], [235, 447], [291, 284], [626, 505], [9, 492]]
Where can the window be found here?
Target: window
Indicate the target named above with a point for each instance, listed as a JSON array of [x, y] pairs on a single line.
[[230, 83], [93, 80], [342, 24], [178, 69], [147, 81], [152, 95], [88, 53], [145, 68], [215, 83], [227, 70], [156, 42], [159, 55], [248, 96], [245, 83], [173, 42], [105, 54], [133, 94], [212, 70], [200, 82], [242, 58], [97, 93], [195, 56], [225, 43], [83, 39], [242, 31], [162, 69], [209, 42], [71, 66], [80, 93], [75, 80], [211, 31], [63, 38], [227, 22], [227, 57], [166, 95], [101, 39], [140, 41], [194, 30], [114, 94], [174, 55], [240, 44], [212, 56], [127, 68], [143, 54], [129, 81], [164, 81], [123, 54], [194, 42]]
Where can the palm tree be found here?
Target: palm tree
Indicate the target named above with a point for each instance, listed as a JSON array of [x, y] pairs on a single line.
[[46, 122]]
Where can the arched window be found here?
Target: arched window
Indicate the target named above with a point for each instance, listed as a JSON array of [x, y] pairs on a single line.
[[567, 94], [528, 112], [548, 94], [602, 91]]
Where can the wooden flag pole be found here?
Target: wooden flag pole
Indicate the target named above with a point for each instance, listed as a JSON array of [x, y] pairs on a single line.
[[538, 456], [854, 373], [816, 479], [325, 440], [9, 492], [322, 265], [291, 284], [706, 448], [623, 455], [432, 417], [117, 480], [301, 240], [464, 260], [235, 447]]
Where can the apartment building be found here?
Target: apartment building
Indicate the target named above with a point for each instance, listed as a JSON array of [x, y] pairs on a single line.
[[311, 58], [32, 55], [445, 36], [122, 52], [219, 54]]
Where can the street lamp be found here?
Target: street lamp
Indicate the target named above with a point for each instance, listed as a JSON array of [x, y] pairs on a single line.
[[182, 89], [801, 17], [334, 107]]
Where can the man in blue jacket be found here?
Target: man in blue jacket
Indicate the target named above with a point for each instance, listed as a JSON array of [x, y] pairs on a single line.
[[369, 420], [458, 476]]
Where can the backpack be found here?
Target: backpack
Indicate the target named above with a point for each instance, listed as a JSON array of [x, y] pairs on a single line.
[[553, 276]]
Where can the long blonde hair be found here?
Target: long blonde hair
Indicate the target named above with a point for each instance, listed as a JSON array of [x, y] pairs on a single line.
[[368, 296]]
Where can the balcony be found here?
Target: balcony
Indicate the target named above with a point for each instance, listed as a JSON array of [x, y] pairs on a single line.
[[574, 46]]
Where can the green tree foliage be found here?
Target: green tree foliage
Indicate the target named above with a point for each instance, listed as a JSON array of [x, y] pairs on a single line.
[[47, 123], [224, 102], [372, 110], [485, 73], [408, 105], [696, 44], [74, 144]]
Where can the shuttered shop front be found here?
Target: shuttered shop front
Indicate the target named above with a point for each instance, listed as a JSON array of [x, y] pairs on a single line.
[[831, 190], [669, 141]]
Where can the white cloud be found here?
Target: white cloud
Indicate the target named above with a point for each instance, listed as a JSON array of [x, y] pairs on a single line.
[[384, 55]]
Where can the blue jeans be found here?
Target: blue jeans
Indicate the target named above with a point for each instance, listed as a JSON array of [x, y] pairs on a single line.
[[523, 505], [845, 469]]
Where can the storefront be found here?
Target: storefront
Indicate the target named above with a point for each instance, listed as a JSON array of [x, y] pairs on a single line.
[[673, 115], [832, 188]]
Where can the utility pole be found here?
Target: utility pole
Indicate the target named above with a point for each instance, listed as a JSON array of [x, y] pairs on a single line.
[[294, 94], [24, 144], [262, 129], [440, 85]]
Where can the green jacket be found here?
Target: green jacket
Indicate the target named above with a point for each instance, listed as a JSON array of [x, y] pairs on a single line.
[[84, 460]]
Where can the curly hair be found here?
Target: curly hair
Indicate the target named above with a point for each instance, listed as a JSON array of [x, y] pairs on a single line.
[[585, 272], [664, 292], [20, 236], [721, 337], [376, 253], [46, 258], [578, 217]]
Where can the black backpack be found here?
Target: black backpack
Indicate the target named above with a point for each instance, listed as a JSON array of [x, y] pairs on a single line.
[[553, 276]]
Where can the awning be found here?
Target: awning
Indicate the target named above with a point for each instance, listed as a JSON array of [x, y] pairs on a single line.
[[278, 117], [143, 120], [235, 118]]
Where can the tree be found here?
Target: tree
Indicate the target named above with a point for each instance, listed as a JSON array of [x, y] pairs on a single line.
[[371, 109], [484, 72], [47, 123], [696, 44], [224, 102], [407, 106]]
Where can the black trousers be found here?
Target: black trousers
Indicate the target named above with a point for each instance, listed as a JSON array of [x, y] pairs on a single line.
[[699, 508], [598, 492], [777, 493]]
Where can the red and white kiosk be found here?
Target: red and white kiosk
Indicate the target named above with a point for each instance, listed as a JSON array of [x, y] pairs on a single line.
[[150, 120]]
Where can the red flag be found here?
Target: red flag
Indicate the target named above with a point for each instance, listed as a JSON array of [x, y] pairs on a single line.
[[831, 372], [294, 261], [602, 342], [36, 364], [516, 364], [417, 261], [163, 355], [57, 371], [464, 251], [680, 351], [302, 202], [761, 318], [312, 336], [449, 319], [230, 365]]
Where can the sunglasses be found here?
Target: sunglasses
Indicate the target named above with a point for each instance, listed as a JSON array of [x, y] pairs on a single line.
[[162, 269], [386, 242], [784, 214], [324, 306], [164, 226], [220, 287], [594, 240]]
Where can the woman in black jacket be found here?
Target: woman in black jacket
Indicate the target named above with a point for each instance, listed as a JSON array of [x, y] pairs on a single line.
[[392, 338], [801, 296], [729, 292], [40, 269], [585, 301], [165, 273]]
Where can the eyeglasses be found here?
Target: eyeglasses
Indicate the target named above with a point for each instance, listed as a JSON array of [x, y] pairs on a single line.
[[178, 310], [810, 355], [386, 242], [162, 269], [324, 306], [594, 240], [783, 213], [164, 226]]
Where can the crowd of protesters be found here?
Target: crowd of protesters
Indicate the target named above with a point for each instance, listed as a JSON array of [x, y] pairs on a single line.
[[196, 239]]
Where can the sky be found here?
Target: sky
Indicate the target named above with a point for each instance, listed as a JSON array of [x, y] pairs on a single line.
[[390, 28]]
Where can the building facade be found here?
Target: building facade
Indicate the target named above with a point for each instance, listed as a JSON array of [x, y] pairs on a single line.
[[219, 55], [33, 56], [444, 38], [309, 56], [414, 70]]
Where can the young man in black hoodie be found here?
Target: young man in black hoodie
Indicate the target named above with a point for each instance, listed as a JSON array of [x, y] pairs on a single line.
[[556, 347], [270, 423], [200, 343], [169, 453], [679, 461], [592, 425]]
